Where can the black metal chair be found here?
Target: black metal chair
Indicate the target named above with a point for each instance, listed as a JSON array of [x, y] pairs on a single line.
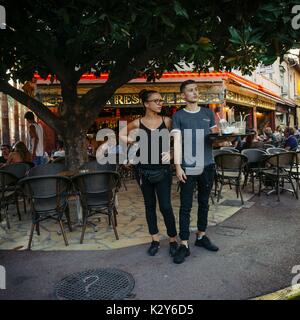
[[229, 169], [215, 153], [94, 166], [97, 191], [8, 194], [254, 165], [49, 200], [279, 170], [275, 150], [19, 170], [47, 169], [296, 170], [267, 146], [231, 149]]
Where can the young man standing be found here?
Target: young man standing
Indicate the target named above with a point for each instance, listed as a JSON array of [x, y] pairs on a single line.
[[193, 118], [35, 139]]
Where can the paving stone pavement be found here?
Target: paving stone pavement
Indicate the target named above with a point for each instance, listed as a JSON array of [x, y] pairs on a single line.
[[132, 226]]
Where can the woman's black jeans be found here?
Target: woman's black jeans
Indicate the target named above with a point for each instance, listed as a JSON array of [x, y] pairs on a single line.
[[162, 190], [204, 185]]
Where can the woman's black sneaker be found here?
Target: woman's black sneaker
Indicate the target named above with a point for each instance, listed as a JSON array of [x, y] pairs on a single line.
[[153, 249], [181, 253], [173, 248], [206, 243]]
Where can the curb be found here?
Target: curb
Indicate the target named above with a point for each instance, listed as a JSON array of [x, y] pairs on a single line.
[[289, 293]]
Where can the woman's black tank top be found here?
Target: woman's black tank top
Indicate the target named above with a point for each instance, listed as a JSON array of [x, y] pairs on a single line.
[[151, 146]]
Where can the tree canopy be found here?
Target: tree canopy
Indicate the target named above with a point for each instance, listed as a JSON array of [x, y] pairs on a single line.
[[130, 38]]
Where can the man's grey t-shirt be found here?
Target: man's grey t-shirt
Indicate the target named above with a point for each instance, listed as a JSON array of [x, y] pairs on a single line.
[[202, 119]]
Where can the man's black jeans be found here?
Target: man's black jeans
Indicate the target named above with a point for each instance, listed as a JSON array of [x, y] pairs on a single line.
[[162, 190], [204, 185]]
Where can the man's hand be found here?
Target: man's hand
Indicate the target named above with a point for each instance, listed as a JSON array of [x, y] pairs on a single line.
[[181, 174]]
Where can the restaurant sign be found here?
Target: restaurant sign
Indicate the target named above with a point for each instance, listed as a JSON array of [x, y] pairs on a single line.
[[249, 101], [169, 98], [132, 99]]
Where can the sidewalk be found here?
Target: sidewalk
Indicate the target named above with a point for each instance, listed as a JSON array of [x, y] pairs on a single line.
[[132, 226], [258, 248]]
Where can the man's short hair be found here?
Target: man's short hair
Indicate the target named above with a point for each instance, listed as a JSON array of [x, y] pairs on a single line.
[[186, 83], [29, 116]]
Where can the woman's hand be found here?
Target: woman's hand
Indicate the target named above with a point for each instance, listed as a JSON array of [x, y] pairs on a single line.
[[181, 174]]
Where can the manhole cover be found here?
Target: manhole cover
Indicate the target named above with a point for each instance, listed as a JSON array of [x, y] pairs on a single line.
[[98, 284]]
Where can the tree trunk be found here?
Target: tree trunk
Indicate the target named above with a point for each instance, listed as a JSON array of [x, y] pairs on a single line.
[[16, 119], [5, 120], [75, 147]]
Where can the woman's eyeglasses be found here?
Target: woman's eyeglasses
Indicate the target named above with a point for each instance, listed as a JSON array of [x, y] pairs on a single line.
[[157, 101]]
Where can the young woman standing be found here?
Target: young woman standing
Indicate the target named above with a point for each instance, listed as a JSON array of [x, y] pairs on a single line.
[[155, 180]]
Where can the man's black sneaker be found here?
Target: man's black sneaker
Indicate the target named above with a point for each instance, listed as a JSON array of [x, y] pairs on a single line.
[[173, 248], [181, 253], [206, 243], [153, 249]]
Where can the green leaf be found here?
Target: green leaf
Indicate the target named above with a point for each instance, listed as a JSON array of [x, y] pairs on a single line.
[[235, 36], [89, 21], [167, 21], [180, 11]]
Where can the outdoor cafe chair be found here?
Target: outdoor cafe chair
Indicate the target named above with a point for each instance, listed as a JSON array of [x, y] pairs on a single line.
[[275, 150], [231, 149], [97, 192], [47, 169], [95, 166], [229, 169], [48, 200], [215, 153], [19, 170], [255, 163], [8, 194], [278, 172], [296, 170], [267, 146]]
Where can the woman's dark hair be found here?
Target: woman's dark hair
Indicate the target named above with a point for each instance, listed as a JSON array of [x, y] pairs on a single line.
[[60, 144], [24, 153], [145, 94]]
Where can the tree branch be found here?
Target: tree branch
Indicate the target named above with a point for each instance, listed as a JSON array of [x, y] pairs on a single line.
[[34, 105], [124, 71]]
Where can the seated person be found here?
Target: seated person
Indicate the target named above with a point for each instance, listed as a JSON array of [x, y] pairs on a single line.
[[60, 152], [268, 136], [253, 142], [291, 142], [279, 135], [19, 154], [5, 149]]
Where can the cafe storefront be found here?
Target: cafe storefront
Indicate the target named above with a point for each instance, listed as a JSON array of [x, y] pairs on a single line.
[[221, 91]]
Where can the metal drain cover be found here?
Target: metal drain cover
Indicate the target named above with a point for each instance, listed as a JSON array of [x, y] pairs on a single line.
[[98, 284]]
